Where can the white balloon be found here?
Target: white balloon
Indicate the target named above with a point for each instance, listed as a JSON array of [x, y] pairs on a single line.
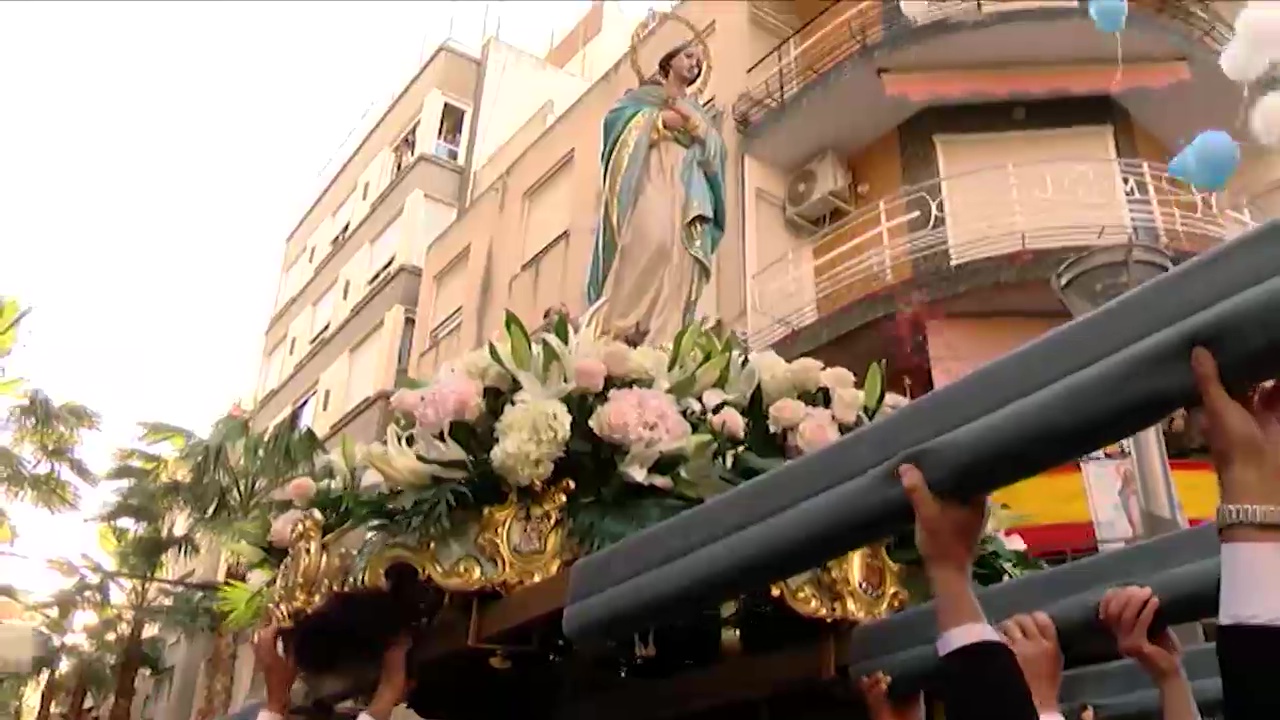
[[1264, 119], [1258, 24], [1241, 62]]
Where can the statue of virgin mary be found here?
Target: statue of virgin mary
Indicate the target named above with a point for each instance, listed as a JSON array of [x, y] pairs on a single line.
[[662, 211]]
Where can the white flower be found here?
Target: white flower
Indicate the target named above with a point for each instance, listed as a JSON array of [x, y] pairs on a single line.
[[1013, 541], [531, 437], [892, 401], [786, 414], [281, 533], [372, 481], [714, 398], [837, 378], [846, 405], [774, 376], [257, 578], [650, 362], [805, 374], [480, 366]]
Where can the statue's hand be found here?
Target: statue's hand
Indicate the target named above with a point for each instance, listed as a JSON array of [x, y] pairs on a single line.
[[672, 119]]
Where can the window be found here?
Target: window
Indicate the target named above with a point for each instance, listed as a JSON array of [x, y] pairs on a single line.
[[346, 289], [448, 294], [364, 191], [305, 412], [294, 277], [382, 252], [449, 134], [402, 153], [324, 401], [311, 254], [293, 344], [362, 373], [271, 369], [341, 236], [323, 313], [548, 208], [406, 346]]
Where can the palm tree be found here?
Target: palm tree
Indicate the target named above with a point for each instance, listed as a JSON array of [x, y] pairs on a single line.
[[145, 528], [232, 475], [40, 462]]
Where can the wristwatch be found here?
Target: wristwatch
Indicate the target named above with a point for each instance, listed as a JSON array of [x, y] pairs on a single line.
[[1248, 515]]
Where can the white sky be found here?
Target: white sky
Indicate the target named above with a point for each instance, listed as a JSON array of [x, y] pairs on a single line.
[[153, 156]]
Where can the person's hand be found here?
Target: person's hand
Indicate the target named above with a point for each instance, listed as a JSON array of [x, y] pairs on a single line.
[[393, 683], [1128, 612], [1034, 640], [947, 533], [1087, 713], [1244, 442], [875, 690], [278, 669]]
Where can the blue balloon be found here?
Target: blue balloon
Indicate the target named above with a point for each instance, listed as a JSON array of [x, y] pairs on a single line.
[[1182, 166], [1109, 15], [1215, 155]]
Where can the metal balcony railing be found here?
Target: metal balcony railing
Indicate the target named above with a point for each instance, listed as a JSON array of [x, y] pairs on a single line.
[[848, 27], [1003, 210]]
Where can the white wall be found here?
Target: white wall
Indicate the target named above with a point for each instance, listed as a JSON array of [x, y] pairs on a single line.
[[516, 84]]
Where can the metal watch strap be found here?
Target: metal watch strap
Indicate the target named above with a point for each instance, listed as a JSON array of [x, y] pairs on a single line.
[[1248, 515]]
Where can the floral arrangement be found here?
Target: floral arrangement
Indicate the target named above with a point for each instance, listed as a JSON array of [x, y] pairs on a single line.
[[642, 432], [624, 434]]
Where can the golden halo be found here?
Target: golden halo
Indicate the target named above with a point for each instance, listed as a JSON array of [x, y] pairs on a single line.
[[703, 78]]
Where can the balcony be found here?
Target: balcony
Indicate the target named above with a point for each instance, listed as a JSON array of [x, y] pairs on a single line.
[[952, 236], [845, 62]]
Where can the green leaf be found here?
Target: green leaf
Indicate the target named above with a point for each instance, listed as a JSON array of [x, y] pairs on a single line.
[[11, 387], [677, 347], [521, 346], [873, 388], [760, 464], [561, 327], [11, 313]]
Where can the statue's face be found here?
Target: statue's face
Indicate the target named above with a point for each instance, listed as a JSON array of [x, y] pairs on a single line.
[[687, 65]]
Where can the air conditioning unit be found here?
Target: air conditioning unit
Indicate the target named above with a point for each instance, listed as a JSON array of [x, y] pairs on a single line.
[[819, 190]]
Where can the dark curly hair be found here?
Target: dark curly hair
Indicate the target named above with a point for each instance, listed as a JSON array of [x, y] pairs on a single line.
[[346, 636]]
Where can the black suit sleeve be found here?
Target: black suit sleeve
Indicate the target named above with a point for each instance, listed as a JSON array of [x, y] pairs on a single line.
[[1249, 662], [982, 681]]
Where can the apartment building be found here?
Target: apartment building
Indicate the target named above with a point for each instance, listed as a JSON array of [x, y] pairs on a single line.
[[343, 320], [904, 180]]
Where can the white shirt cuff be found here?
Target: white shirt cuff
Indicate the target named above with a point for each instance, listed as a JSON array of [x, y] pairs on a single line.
[[364, 716], [1250, 589], [1052, 716], [268, 715], [958, 637]]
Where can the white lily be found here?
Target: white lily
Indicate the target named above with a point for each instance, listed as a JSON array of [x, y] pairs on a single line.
[[399, 464], [744, 378]]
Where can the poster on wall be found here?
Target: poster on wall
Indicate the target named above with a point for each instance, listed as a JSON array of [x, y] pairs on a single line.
[[1112, 492]]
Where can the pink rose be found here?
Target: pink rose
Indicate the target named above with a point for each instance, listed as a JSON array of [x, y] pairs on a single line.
[[453, 398], [729, 423], [281, 533], [786, 414], [816, 431], [640, 418], [589, 374], [300, 490], [407, 402]]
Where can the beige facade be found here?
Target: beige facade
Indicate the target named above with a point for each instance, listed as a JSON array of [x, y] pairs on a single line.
[[340, 330], [968, 153]]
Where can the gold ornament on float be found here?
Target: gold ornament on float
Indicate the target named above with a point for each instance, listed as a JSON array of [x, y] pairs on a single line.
[[633, 53], [858, 586], [506, 547], [316, 567]]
